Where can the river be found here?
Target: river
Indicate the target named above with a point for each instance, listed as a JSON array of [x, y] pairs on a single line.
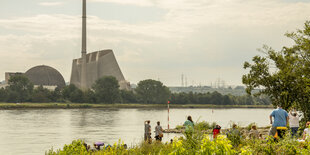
[[36, 131]]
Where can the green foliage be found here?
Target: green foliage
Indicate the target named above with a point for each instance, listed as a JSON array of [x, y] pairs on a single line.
[[204, 125], [3, 95], [205, 146], [107, 90], [179, 127], [76, 147], [152, 91], [216, 98], [284, 75], [199, 144], [234, 135], [56, 95], [73, 94], [41, 94], [90, 96], [128, 96], [19, 89]]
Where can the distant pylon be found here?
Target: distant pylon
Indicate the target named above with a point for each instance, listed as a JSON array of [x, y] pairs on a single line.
[[182, 80], [185, 81]]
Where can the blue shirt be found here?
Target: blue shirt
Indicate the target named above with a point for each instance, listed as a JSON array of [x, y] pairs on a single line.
[[279, 116]]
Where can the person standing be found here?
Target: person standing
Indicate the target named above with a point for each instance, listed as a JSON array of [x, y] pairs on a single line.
[[294, 122], [189, 126], [280, 121], [147, 131], [158, 132]]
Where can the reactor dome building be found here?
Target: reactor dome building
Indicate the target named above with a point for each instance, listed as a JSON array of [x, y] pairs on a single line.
[[41, 75], [92, 66], [45, 76]]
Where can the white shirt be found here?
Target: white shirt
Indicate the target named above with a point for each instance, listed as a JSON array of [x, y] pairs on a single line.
[[294, 121], [158, 130]]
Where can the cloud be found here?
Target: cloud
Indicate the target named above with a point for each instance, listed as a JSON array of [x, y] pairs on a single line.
[[206, 39], [127, 2], [51, 3]]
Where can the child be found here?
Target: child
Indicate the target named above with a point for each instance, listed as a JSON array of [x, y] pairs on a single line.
[[216, 131]]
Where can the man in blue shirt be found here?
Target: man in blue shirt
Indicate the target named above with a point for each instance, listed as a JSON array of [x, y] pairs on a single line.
[[280, 120]]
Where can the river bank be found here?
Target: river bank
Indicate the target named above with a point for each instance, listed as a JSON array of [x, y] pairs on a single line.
[[143, 106]]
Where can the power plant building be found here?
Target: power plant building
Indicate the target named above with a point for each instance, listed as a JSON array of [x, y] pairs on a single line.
[[41, 75], [45, 76], [98, 64], [92, 66]]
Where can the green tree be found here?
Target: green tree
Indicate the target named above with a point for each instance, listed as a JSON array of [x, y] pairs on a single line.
[[19, 89], [107, 90], [56, 95], [152, 91], [73, 94], [41, 94], [180, 98], [3, 95], [284, 76], [89, 96], [128, 96]]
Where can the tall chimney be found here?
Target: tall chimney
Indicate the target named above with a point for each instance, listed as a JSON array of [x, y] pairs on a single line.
[[83, 85], [84, 29]]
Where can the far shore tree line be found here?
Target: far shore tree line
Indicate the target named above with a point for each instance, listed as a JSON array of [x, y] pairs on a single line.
[[106, 91]]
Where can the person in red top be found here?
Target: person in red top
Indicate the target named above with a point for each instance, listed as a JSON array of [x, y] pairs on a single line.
[[216, 131]]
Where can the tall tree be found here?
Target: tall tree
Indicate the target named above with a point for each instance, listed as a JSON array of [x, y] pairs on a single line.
[[41, 94], [73, 94], [3, 95], [128, 96], [152, 91], [107, 90], [19, 89], [284, 76]]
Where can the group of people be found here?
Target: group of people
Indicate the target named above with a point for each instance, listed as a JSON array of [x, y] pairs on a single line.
[[280, 119], [148, 132]]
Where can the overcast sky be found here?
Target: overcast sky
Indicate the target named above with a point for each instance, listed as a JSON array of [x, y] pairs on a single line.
[[158, 39]]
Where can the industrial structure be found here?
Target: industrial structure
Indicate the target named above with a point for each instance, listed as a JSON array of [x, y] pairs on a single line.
[[90, 67], [41, 75], [45, 76]]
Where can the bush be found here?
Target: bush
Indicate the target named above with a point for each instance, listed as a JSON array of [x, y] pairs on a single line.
[[198, 144], [204, 125]]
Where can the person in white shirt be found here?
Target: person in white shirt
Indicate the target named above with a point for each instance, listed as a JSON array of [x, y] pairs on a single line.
[[306, 133], [294, 122], [158, 132]]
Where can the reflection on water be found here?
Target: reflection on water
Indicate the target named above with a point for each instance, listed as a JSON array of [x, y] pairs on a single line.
[[35, 131]]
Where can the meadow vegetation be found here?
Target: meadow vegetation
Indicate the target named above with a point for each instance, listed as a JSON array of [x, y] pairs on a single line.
[[200, 144]]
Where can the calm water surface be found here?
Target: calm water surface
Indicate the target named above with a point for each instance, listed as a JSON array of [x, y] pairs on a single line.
[[36, 131]]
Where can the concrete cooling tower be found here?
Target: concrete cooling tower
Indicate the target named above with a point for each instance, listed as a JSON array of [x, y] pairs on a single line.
[[92, 66], [98, 64]]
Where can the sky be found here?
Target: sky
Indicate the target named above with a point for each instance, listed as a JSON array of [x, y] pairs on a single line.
[[205, 40]]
